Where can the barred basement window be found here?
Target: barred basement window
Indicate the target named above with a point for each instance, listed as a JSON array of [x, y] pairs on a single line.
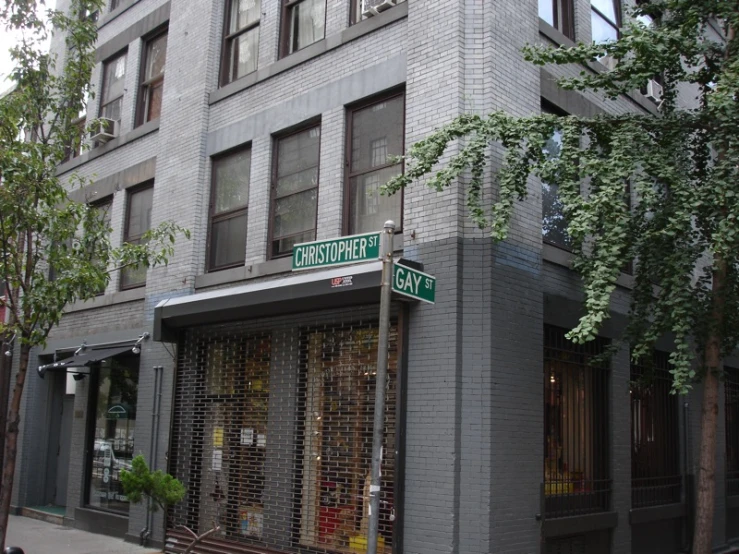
[[732, 431], [655, 444], [272, 436], [576, 475]]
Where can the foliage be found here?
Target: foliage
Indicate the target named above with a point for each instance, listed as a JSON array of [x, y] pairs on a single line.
[[682, 165], [139, 483]]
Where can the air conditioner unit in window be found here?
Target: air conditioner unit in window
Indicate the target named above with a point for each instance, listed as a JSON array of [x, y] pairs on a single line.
[[653, 91], [375, 7], [105, 130]]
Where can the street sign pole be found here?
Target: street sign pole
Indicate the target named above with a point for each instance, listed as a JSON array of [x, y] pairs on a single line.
[[380, 378]]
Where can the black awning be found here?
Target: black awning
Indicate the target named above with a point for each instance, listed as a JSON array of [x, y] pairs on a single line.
[[330, 288], [86, 357]]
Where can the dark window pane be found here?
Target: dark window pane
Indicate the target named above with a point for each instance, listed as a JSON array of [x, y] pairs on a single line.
[[114, 417], [154, 109], [554, 224], [297, 162], [133, 276], [370, 209], [139, 214], [307, 23], [155, 57], [113, 80], [231, 181], [245, 50], [295, 214], [113, 110], [228, 241], [377, 134], [607, 8], [243, 14]]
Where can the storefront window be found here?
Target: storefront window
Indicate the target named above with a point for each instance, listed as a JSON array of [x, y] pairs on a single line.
[[113, 406]]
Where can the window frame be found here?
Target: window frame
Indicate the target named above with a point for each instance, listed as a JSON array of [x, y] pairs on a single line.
[[126, 237], [563, 15], [146, 85], [229, 214], [617, 7], [226, 63], [307, 126], [549, 108], [105, 203], [351, 109], [285, 8], [106, 64]]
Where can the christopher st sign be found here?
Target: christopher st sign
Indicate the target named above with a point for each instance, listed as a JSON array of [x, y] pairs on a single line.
[[344, 250]]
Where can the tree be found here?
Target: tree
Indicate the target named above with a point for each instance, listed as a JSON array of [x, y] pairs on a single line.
[[682, 166], [42, 229]]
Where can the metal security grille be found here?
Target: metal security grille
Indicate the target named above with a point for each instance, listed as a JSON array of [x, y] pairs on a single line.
[[566, 545], [655, 442], [732, 431], [272, 437], [576, 479]]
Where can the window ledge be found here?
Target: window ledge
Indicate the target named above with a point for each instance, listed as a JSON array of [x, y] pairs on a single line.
[[559, 256], [110, 16], [117, 142], [656, 513], [107, 300], [313, 51], [576, 525], [559, 39]]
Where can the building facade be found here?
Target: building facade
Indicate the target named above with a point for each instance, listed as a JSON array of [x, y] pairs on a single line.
[[261, 124]]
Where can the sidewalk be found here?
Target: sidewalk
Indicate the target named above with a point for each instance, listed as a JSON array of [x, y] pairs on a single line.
[[39, 537]]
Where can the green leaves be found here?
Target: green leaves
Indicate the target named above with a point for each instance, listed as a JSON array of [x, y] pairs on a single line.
[[139, 483], [659, 191]]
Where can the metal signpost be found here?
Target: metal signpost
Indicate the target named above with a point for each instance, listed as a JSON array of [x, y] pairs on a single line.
[[395, 278]]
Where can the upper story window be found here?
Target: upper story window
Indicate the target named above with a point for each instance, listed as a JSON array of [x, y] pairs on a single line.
[[605, 18], [138, 222], [303, 23], [553, 222], [731, 389], [152, 85], [295, 190], [241, 41], [363, 9], [114, 75], [114, 4], [103, 212], [559, 14], [376, 135], [229, 202]]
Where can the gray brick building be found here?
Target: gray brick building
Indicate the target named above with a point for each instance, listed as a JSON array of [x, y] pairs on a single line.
[[257, 125]]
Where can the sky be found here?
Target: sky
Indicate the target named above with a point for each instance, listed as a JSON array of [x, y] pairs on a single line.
[[8, 40]]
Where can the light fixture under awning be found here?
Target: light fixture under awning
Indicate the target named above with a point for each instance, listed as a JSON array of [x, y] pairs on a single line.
[[85, 356]]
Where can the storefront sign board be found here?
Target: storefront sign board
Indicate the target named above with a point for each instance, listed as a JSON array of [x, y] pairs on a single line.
[[343, 250], [414, 284]]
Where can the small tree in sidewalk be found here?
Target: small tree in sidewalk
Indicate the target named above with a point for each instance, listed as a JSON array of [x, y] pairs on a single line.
[[680, 165], [53, 251]]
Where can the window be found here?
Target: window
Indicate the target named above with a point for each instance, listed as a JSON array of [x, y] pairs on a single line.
[[376, 134], [559, 14], [138, 222], [228, 210], [655, 443], [114, 73], [303, 23], [150, 98], [605, 18], [553, 222], [295, 190], [241, 39], [114, 4], [113, 399], [74, 149], [102, 210], [732, 430], [575, 426], [371, 7]]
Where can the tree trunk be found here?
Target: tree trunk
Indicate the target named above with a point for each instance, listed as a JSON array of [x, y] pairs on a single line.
[[704, 505], [11, 443]]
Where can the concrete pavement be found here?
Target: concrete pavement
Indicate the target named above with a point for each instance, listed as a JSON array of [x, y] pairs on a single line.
[[39, 537]]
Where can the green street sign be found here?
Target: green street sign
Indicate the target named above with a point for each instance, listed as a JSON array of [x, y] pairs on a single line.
[[343, 250], [414, 284]]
